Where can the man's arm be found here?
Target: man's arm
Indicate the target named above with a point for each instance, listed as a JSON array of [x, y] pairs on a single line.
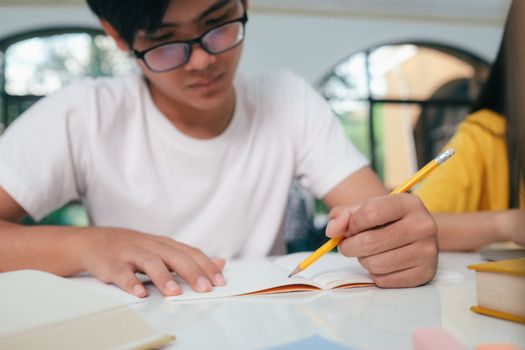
[[471, 231], [393, 236], [355, 189], [111, 254], [40, 247]]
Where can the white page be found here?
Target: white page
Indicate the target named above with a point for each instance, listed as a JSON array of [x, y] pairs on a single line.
[[30, 299], [243, 276], [329, 271]]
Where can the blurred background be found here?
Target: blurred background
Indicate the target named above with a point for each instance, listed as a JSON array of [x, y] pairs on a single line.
[[400, 74]]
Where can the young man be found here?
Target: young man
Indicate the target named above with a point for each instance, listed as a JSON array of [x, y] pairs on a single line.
[[187, 161]]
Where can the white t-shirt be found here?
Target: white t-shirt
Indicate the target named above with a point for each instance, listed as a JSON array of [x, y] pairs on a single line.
[[104, 141]]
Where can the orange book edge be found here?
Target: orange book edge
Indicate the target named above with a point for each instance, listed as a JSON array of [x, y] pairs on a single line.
[[304, 288], [510, 267], [493, 313]]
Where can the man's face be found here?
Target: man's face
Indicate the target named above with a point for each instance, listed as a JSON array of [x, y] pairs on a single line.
[[205, 81]]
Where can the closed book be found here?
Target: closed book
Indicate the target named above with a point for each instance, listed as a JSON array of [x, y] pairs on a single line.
[[500, 289]]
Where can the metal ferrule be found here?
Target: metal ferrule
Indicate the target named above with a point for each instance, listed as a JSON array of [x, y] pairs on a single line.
[[444, 156]]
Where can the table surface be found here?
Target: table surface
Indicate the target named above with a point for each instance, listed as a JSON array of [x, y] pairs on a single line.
[[361, 318]]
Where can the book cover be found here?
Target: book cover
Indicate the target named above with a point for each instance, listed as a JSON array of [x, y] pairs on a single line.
[[44, 311], [510, 266]]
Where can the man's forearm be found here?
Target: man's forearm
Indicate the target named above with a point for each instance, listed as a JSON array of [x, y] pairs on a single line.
[[49, 248]]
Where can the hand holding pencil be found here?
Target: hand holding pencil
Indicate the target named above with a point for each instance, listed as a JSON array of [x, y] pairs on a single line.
[[394, 237]]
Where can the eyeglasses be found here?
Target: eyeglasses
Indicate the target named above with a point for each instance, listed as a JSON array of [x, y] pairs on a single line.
[[172, 55]]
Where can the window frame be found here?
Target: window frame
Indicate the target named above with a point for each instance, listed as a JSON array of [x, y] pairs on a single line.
[[476, 61], [9, 40]]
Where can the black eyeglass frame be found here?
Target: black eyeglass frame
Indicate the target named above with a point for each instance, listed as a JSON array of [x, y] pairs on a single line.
[[189, 44]]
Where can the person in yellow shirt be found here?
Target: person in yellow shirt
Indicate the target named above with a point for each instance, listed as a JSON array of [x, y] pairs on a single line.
[[478, 196]]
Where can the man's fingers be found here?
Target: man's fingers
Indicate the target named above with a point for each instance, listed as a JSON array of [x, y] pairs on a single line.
[[116, 257], [380, 211], [220, 263], [156, 269], [338, 221], [189, 270], [212, 269], [124, 277], [336, 211], [412, 277], [386, 238], [189, 263], [403, 258]]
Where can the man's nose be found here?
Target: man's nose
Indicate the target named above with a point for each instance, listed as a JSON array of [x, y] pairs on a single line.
[[199, 59]]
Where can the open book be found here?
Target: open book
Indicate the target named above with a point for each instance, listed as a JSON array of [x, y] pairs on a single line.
[[43, 311], [267, 276]]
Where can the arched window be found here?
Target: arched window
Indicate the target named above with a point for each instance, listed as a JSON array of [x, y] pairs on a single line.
[[34, 64], [401, 102]]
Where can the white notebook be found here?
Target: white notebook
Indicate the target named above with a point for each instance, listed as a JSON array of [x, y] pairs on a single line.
[[42, 311], [267, 276]]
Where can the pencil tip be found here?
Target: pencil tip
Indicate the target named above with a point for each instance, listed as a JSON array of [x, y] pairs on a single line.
[[295, 271]]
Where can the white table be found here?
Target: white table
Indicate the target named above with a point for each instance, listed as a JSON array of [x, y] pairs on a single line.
[[365, 318]]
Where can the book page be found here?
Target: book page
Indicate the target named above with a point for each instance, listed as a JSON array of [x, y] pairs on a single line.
[[332, 270], [248, 276]]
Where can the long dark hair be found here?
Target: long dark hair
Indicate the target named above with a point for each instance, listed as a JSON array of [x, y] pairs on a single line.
[[492, 95], [514, 99], [504, 93]]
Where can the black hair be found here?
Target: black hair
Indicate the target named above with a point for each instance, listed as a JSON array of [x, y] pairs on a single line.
[[502, 94], [130, 16], [514, 110], [492, 95]]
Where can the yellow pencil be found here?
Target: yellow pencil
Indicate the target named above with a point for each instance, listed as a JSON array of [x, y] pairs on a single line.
[[405, 186]]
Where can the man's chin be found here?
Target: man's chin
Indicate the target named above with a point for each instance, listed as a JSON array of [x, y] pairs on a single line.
[[210, 100]]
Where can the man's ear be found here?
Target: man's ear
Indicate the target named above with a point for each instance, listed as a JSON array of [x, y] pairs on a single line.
[[245, 4], [109, 30]]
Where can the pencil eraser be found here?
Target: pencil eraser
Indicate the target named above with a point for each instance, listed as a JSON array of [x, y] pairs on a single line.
[[496, 346], [434, 338]]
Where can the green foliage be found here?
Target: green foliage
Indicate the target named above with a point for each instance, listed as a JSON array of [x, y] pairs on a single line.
[[379, 132], [357, 130], [72, 214]]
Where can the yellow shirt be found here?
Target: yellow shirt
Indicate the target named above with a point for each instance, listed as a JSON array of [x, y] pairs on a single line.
[[476, 177]]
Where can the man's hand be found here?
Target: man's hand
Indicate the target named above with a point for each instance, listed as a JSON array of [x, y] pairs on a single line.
[[393, 237], [114, 255]]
